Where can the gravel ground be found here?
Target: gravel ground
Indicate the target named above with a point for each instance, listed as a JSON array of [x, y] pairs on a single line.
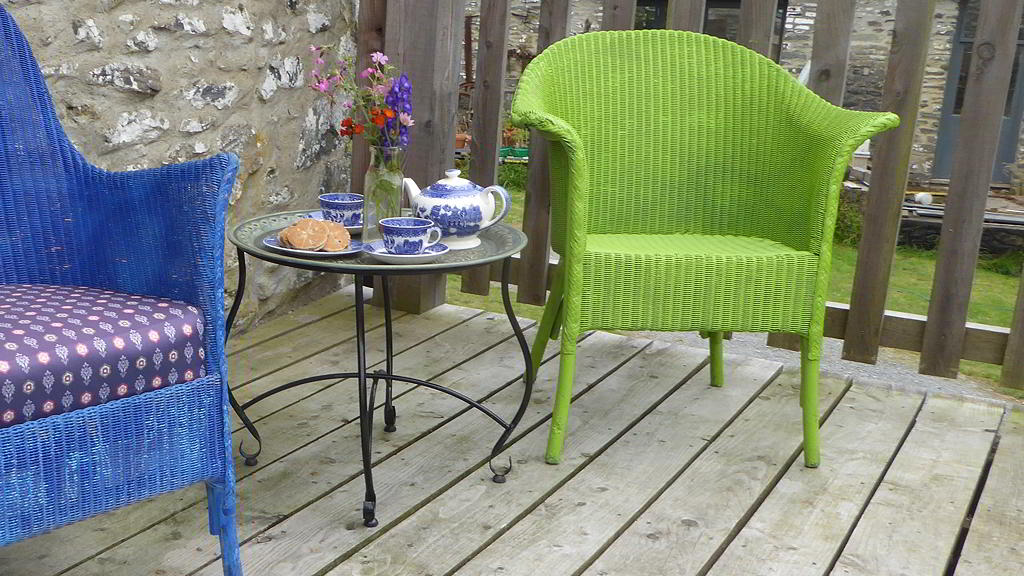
[[894, 368]]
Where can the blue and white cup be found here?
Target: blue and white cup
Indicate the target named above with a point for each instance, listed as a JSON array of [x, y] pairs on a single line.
[[343, 208], [408, 236]]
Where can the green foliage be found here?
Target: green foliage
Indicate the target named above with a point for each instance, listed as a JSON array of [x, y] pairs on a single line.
[[513, 177], [849, 221], [1009, 264]]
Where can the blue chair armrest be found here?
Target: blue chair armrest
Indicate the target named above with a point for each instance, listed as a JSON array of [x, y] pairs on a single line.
[[157, 232]]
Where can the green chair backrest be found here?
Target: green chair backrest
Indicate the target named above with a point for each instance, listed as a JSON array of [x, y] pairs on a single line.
[[683, 133]]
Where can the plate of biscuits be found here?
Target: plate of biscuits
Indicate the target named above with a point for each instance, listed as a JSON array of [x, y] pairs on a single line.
[[313, 238]]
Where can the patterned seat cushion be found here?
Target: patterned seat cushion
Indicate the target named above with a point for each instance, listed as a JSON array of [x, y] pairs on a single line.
[[66, 348]]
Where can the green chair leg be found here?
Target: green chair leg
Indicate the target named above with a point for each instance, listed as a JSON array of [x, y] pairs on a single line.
[[717, 359], [563, 401], [549, 322], [809, 403]]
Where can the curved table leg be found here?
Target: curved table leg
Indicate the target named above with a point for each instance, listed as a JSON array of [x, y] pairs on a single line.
[[250, 457], [365, 411], [528, 376]]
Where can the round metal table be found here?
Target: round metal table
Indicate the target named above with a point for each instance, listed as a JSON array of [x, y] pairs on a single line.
[[499, 242]]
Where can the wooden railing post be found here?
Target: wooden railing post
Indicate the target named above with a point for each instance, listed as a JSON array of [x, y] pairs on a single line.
[[686, 14], [369, 38], [618, 15], [890, 166], [488, 93], [1013, 359], [830, 50], [554, 25], [757, 25], [425, 39], [995, 44]]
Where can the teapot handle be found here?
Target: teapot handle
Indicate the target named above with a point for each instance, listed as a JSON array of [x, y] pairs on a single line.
[[503, 194]]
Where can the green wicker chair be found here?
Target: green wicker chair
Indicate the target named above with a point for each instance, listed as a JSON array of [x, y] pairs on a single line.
[[694, 187]]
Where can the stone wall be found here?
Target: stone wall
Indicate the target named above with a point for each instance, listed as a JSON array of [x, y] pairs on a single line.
[[140, 83]]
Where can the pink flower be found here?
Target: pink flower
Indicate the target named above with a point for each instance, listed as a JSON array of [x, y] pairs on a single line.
[[323, 85], [347, 104], [318, 61], [406, 119], [380, 89], [366, 73], [313, 48], [378, 58]]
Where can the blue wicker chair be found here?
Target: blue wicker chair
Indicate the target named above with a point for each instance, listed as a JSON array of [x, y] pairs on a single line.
[[106, 281]]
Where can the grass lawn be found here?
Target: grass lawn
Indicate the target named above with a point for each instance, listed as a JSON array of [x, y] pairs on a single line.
[[992, 299]]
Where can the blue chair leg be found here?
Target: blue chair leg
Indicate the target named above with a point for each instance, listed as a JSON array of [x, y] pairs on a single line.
[[221, 498], [213, 507]]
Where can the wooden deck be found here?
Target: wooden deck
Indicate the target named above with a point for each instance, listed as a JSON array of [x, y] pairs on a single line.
[[663, 474]]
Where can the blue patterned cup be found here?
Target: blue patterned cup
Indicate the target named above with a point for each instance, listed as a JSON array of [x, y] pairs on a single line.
[[408, 236], [343, 208]]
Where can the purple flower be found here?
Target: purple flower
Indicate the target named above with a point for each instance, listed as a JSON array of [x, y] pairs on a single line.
[[399, 99], [378, 58], [366, 73]]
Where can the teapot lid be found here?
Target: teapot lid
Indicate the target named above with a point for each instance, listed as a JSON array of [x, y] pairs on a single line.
[[453, 184], [451, 178]]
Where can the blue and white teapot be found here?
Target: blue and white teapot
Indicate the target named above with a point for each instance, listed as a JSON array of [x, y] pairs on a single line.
[[459, 207]]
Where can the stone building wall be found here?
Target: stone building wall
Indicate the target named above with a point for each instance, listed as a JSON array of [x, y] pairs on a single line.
[[140, 83]]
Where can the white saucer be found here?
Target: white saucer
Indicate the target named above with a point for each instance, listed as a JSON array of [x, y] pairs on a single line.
[[352, 230], [271, 242], [377, 251]]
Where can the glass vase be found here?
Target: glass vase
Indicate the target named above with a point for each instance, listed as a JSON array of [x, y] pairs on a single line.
[[382, 188]]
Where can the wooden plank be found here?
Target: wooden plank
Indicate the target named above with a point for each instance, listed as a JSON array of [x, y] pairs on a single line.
[[830, 50], [890, 166], [784, 340], [696, 514], [905, 331], [409, 331], [802, 524], [554, 25], [432, 62], [304, 342], [488, 109], [317, 415], [281, 325], [576, 522], [317, 537], [995, 44], [757, 25], [686, 14], [618, 14], [372, 19], [902, 532], [321, 404], [1013, 359], [318, 440], [993, 543], [472, 513]]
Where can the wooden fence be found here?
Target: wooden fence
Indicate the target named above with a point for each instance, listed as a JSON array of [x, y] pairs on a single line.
[[425, 38]]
